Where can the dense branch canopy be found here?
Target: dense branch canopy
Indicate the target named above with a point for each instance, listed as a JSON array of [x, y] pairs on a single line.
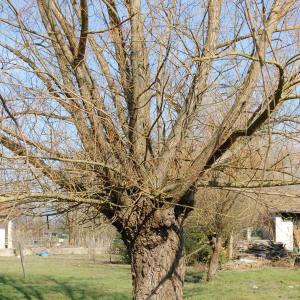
[[109, 99]]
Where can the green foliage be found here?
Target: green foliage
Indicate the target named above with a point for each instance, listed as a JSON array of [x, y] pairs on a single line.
[[198, 249], [223, 256], [196, 246], [257, 233]]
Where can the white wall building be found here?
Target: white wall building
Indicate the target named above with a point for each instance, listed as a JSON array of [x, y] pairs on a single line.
[[6, 238], [284, 232]]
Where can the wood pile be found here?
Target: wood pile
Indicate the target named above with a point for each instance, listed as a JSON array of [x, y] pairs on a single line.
[[269, 250]]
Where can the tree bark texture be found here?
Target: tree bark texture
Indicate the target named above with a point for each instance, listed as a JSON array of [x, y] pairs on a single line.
[[158, 265], [214, 260]]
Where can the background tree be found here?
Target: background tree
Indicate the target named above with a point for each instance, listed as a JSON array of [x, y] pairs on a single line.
[[219, 214], [122, 108]]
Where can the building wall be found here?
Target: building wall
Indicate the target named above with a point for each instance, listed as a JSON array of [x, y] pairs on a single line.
[[2, 236], [284, 233]]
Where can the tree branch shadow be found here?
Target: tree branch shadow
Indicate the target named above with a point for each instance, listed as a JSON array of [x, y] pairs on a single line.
[[12, 288]]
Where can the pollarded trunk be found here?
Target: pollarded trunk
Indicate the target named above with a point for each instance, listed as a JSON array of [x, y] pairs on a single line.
[[158, 264], [214, 260]]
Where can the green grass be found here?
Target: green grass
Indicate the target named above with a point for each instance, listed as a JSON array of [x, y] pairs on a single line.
[[75, 278], [267, 283]]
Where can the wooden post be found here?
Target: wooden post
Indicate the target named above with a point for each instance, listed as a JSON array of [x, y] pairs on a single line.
[[230, 246], [22, 259], [249, 233]]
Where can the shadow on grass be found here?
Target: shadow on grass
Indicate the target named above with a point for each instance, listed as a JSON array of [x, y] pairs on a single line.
[[193, 276], [113, 262], [48, 288]]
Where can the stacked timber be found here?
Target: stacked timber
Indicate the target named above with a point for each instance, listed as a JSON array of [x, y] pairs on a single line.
[[269, 250]]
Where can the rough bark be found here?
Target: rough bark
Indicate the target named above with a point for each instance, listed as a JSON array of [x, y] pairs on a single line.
[[214, 260], [158, 264]]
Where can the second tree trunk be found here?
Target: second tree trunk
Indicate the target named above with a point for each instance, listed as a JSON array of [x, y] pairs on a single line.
[[214, 259]]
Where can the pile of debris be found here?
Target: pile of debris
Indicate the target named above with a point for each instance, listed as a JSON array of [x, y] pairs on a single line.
[[246, 263], [269, 250]]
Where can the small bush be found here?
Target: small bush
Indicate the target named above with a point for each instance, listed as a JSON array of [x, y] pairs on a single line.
[[197, 247], [223, 256], [119, 248]]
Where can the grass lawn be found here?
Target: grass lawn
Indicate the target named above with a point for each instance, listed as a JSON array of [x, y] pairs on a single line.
[[73, 278]]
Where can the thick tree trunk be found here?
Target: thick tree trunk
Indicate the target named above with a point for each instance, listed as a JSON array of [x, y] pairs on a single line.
[[158, 264], [214, 260]]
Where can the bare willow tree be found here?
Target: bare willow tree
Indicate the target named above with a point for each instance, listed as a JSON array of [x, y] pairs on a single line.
[[218, 214], [123, 107]]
